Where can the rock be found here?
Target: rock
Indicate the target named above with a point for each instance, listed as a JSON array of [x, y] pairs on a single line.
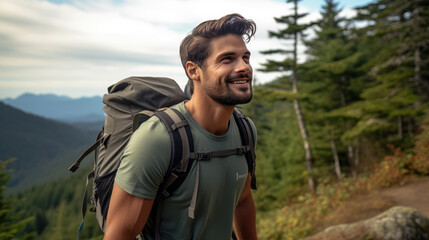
[[398, 223]]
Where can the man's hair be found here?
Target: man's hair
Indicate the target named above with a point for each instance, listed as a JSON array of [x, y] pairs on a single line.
[[195, 46]]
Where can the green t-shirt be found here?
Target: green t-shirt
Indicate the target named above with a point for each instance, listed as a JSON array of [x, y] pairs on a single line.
[[221, 180]]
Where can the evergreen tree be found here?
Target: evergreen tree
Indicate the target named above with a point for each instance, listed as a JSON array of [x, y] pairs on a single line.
[[404, 24], [293, 31], [10, 222], [330, 78], [279, 150], [57, 209], [398, 71]]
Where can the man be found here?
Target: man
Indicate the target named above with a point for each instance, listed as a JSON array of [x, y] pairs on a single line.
[[216, 60]]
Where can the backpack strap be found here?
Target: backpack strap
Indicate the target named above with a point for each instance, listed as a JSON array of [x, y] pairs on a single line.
[[181, 147], [140, 117], [180, 161], [89, 150], [248, 140], [183, 155], [75, 166]]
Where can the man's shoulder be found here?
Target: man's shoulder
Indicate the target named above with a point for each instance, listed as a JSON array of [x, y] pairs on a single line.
[[253, 129], [252, 124], [180, 107]]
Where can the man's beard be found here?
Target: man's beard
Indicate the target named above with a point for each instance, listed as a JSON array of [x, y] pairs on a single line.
[[229, 98]]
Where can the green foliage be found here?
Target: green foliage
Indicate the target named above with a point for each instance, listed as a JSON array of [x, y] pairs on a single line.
[[279, 153], [297, 219], [11, 223], [330, 79], [362, 89], [419, 162], [57, 209]]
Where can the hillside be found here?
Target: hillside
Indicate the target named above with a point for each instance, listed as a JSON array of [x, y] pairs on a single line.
[[398, 212], [86, 109], [56, 206], [412, 194], [43, 148]]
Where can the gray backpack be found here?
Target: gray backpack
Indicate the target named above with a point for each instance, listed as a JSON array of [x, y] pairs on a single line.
[[129, 103]]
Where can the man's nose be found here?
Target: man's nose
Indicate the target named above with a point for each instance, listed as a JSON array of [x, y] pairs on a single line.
[[243, 66]]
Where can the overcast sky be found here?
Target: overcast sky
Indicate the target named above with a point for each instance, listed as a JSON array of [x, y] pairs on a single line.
[[78, 48]]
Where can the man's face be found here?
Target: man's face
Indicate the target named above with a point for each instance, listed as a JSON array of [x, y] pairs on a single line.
[[227, 73]]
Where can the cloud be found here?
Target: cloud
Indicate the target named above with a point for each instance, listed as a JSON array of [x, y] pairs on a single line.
[[78, 48]]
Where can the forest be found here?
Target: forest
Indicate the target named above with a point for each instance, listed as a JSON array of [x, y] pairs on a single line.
[[351, 119]]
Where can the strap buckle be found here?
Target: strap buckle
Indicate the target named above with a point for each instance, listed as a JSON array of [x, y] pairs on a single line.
[[243, 149], [201, 156]]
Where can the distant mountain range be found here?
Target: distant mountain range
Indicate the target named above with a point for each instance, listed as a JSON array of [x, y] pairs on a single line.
[[62, 108], [43, 148]]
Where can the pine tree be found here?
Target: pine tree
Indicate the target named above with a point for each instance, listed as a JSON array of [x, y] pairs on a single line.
[[398, 71], [404, 24], [10, 222], [279, 150], [294, 32], [330, 77]]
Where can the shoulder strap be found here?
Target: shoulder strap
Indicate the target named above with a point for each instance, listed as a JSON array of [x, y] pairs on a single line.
[[89, 150], [248, 139], [75, 166], [140, 117], [181, 147], [183, 155]]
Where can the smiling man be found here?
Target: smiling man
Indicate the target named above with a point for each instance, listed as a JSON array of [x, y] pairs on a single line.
[[217, 63]]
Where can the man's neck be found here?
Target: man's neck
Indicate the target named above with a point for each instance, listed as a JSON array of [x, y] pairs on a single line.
[[209, 114]]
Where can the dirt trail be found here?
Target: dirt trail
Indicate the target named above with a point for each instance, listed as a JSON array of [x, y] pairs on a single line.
[[413, 194]]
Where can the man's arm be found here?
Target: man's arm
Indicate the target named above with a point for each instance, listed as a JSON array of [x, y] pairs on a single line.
[[245, 214], [127, 215]]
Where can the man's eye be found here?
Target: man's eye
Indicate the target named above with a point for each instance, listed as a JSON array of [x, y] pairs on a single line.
[[226, 59]]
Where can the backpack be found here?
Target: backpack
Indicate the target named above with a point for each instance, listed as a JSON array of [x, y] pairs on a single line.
[[128, 104]]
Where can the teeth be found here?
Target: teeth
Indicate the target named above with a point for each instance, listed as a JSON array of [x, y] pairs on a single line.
[[240, 82]]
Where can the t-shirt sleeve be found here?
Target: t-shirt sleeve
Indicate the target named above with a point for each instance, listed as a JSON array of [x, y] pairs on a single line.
[[145, 160]]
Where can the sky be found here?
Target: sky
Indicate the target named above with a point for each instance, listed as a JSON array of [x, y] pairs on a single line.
[[79, 48]]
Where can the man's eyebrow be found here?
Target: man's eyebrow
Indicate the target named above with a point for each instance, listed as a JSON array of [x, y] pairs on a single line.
[[231, 54]]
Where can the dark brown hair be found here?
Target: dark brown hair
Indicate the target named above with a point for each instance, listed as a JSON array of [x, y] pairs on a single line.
[[195, 46]]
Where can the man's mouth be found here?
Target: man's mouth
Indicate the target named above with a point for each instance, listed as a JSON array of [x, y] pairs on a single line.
[[240, 81], [239, 78]]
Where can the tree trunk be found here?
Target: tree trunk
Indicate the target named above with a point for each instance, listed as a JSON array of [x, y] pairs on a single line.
[[400, 131], [308, 154], [352, 160], [357, 159], [351, 156], [335, 155], [343, 98], [410, 127], [304, 134], [417, 68]]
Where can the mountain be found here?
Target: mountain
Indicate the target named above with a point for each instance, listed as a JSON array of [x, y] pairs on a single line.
[[86, 109], [43, 147]]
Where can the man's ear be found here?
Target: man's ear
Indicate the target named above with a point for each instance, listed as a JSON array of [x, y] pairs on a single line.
[[192, 69]]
